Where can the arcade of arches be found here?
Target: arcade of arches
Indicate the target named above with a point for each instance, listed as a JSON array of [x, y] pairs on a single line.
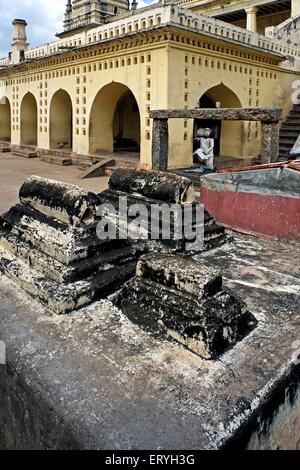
[[114, 121]]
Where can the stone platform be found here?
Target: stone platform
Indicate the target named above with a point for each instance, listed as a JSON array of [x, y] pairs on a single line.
[[49, 244], [95, 380]]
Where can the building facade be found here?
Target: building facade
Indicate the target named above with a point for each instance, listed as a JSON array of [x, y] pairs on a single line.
[[92, 89]]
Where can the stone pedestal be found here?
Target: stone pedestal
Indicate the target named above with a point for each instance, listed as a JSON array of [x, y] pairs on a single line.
[[182, 299]]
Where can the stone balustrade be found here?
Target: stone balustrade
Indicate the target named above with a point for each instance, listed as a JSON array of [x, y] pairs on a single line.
[[155, 15], [4, 62]]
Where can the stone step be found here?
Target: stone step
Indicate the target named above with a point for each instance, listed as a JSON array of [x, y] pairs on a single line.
[[285, 151], [56, 153], [287, 140], [291, 123], [294, 114], [286, 144], [286, 157], [29, 148], [126, 164], [288, 131], [56, 160], [57, 271], [24, 154], [65, 298]]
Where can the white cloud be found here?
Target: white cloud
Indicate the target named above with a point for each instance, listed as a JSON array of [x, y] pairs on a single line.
[[44, 18]]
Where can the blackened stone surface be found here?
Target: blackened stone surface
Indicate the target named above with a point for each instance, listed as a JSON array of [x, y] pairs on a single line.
[[157, 185], [268, 114], [183, 299], [95, 380], [160, 144], [181, 273], [214, 234], [49, 247], [269, 142], [65, 202]]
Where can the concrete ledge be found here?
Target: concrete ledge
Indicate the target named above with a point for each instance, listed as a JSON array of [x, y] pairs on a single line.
[[93, 380]]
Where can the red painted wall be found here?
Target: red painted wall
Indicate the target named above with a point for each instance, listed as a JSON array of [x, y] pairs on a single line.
[[264, 215]]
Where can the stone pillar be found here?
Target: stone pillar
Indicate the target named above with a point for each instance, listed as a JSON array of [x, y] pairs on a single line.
[[269, 142], [295, 8], [160, 144], [251, 19]]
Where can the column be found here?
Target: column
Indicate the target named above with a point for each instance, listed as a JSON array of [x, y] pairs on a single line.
[[295, 8], [251, 19], [269, 142], [160, 144]]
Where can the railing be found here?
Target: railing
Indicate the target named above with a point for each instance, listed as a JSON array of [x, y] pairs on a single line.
[[4, 62], [159, 14]]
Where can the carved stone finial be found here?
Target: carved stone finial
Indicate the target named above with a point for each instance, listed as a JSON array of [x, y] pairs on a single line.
[[69, 6], [134, 5]]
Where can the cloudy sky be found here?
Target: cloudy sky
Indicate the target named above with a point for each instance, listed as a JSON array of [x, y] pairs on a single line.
[[44, 18]]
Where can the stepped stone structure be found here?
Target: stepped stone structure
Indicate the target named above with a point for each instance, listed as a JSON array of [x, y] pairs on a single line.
[[50, 247], [164, 189], [184, 300]]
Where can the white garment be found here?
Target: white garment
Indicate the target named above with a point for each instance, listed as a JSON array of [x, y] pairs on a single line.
[[205, 152]]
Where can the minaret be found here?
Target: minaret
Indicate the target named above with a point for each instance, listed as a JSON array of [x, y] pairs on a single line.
[[84, 14], [19, 42], [69, 7]]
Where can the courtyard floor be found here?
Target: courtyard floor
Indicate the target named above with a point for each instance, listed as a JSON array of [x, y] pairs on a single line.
[[14, 170]]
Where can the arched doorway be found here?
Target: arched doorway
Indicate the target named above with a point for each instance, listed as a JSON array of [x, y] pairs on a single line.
[[61, 121], [114, 120], [228, 135], [29, 120], [5, 120]]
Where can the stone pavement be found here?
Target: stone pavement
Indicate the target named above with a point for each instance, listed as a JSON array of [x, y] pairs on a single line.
[[14, 170]]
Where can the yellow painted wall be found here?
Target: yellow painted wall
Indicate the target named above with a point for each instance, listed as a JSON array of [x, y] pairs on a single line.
[[161, 74]]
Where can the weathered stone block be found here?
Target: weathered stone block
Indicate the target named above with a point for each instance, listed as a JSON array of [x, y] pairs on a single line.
[[49, 247], [156, 185], [65, 202], [180, 273], [182, 299]]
